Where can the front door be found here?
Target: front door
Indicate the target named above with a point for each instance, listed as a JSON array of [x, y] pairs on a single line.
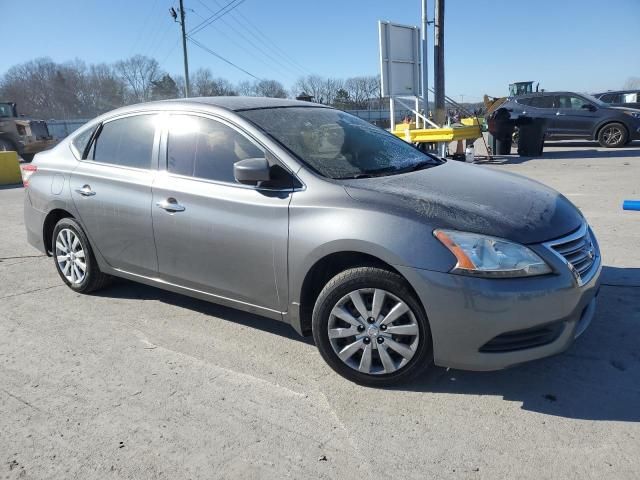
[[111, 190], [575, 116], [212, 233]]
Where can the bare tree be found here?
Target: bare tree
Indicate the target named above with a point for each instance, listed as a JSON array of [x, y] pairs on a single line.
[[205, 85], [632, 83], [270, 88], [313, 85], [139, 72], [246, 88]]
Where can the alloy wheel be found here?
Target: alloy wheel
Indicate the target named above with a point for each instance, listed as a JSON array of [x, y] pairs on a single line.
[[612, 135], [373, 331], [70, 256]]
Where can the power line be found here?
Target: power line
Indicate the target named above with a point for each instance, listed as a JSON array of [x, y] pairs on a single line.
[[253, 29], [255, 46], [223, 11], [207, 49]]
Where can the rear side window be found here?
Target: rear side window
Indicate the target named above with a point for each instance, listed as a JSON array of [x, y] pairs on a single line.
[[542, 102], [204, 148], [127, 142]]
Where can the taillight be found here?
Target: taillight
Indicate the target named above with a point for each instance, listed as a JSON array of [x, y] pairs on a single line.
[[27, 171]]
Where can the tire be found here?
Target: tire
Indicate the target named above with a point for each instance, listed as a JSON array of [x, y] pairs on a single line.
[[68, 232], [6, 146], [371, 361], [613, 135]]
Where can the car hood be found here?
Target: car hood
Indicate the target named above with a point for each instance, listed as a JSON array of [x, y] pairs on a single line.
[[627, 109], [473, 199]]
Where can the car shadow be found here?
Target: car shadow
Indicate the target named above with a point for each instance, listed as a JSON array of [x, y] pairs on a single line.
[[126, 289], [11, 186], [631, 150], [598, 378]]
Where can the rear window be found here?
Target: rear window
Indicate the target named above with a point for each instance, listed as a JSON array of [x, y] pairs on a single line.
[[127, 142]]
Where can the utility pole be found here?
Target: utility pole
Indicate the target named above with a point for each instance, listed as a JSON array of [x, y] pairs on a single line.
[[184, 51], [425, 62], [438, 62]]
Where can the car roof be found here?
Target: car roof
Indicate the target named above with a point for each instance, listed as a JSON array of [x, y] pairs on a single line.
[[238, 104], [618, 91]]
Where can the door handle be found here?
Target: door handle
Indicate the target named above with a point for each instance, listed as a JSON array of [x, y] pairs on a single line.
[[85, 191], [170, 205], [558, 114]]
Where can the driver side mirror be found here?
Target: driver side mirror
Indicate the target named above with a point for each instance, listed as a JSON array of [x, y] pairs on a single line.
[[252, 171], [588, 106]]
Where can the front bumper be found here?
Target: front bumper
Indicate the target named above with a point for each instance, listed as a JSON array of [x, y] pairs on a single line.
[[466, 313]]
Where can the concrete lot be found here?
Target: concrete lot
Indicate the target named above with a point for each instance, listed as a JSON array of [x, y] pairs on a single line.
[[134, 382]]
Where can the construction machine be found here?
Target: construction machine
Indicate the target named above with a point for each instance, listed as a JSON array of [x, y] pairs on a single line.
[[23, 135]]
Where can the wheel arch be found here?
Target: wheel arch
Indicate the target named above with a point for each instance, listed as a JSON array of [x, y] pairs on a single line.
[[325, 268], [50, 221]]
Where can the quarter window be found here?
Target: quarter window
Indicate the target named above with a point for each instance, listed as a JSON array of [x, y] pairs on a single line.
[[204, 148], [127, 142], [80, 142], [542, 102]]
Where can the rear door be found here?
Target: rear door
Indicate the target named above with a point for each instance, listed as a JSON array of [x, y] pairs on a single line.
[[111, 189], [541, 106], [212, 233], [575, 116]]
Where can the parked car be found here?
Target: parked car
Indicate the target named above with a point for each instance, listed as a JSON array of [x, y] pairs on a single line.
[[572, 116], [622, 98], [391, 258]]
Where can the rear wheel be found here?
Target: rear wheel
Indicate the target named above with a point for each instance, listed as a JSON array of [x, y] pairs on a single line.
[[613, 135], [370, 328], [74, 259]]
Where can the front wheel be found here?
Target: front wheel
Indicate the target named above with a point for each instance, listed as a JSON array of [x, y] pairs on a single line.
[[370, 328], [613, 135]]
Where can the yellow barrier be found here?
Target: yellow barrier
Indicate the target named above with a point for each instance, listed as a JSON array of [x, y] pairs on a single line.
[[10, 172], [436, 135]]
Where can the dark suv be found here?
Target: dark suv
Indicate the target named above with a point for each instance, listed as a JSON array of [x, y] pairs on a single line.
[[622, 98], [571, 115]]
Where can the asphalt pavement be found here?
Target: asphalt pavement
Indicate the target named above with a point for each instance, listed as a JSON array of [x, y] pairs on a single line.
[[136, 382]]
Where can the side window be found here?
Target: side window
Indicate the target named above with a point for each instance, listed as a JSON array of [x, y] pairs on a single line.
[[127, 142], [571, 101], [204, 148], [80, 142], [542, 102], [629, 98]]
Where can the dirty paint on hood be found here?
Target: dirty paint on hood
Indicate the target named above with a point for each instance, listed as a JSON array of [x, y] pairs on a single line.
[[472, 198]]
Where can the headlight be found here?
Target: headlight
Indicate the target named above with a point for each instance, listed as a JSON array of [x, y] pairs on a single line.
[[484, 256], [633, 114]]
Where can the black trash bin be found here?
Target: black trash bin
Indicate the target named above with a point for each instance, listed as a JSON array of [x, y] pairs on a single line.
[[501, 129], [531, 136]]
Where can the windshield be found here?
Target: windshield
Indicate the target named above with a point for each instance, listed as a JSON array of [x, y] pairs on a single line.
[[338, 145], [595, 101], [6, 110]]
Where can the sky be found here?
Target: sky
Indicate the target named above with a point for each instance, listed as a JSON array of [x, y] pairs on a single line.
[[577, 45]]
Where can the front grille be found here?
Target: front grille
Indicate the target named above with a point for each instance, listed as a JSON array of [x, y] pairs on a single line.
[[523, 339], [579, 251]]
